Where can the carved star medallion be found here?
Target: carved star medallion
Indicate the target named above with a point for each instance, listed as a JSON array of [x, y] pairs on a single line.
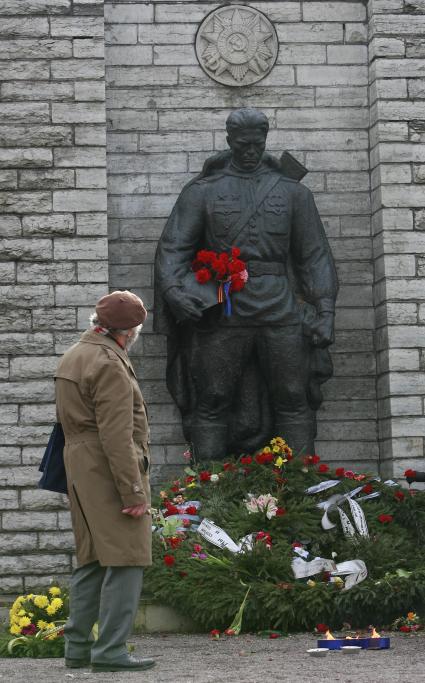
[[236, 45]]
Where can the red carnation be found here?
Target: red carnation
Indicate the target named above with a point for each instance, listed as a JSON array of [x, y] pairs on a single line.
[[205, 256], [314, 459], [238, 283], [220, 267], [405, 629], [410, 474], [323, 468], [236, 266], [264, 458], [215, 633], [274, 635], [236, 252], [169, 560], [246, 460], [174, 541], [297, 544], [171, 510], [203, 275], [280, 512], [339, 472], [322, 628], [205, 475], [189, 479], [191, 510], [385, 519], [399, 495], [229, 467], [368, 488], [230, 632], [349, 474]]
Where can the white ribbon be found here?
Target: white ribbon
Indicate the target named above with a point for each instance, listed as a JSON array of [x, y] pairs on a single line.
[[217, 536], [323, 486], [359, 518], [302, 552], [303, 569], [347, 527], [355, 570]]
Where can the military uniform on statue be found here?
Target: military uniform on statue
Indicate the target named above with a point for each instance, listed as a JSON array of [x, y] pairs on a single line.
[[267, 358]]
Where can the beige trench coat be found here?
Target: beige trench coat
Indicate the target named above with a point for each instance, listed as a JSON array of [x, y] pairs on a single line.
[[106, 454]]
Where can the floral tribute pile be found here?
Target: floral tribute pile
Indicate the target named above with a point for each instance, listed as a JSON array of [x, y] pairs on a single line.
[[36, 625], [231, 537]]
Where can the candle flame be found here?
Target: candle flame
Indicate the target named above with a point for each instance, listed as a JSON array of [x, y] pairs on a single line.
[[374, 633], [328, 635]]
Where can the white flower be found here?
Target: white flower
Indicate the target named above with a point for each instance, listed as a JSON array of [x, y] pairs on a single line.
[[263, 503], [214, 478]]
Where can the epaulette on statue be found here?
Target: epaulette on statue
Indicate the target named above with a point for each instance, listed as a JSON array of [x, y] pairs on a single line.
[[287, 165]]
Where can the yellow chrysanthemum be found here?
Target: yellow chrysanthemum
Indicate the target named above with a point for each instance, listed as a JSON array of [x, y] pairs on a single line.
[[24, 621], [57, 603], [273, 442], [51, 609], [311, 583], [42, 624], [15, 630], [41, 601], [54, 590], [191, 485], [267, 449], [279, 461], [21, 613]]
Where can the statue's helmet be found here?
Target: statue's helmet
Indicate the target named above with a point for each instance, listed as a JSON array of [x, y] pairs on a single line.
[[241, 119]]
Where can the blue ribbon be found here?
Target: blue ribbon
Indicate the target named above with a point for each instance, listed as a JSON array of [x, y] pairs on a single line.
[[228, 302]]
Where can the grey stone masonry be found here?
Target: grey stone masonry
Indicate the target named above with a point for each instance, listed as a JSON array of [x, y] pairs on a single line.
[[53, 253], [397, 160], [165, 117]]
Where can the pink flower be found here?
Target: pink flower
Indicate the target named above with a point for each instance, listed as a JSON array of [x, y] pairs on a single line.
[[349, 474]]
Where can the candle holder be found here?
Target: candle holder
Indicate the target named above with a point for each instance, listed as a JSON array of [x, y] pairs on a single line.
[[381, 643]]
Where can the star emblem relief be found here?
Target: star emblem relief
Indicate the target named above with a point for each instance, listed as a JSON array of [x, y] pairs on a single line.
[[236, 45]]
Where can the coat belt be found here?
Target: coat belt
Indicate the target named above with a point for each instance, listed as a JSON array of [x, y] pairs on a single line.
[[257, 268]]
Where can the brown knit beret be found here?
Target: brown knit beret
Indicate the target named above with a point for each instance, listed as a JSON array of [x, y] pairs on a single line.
[[120, 310]]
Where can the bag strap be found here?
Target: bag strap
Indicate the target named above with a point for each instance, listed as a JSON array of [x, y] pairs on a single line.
[[260, 195]]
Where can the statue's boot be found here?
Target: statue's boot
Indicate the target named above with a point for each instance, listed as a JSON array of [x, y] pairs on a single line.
[[209, 440], [298, 435]]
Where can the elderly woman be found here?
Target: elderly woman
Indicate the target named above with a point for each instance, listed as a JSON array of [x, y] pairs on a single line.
[[106, 456]]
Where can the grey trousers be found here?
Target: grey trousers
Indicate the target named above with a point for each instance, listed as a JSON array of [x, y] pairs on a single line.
[[109, 595]]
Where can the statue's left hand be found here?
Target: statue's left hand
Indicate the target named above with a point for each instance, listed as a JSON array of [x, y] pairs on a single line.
[[323, 330]]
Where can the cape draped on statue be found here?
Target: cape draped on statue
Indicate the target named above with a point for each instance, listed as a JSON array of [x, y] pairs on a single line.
[[250, 421]]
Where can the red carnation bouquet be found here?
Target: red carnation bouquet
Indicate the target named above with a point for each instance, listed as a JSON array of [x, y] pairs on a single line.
[[228, 270]]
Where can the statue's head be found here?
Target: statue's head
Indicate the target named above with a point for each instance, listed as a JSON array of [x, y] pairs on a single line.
[[246, 136]]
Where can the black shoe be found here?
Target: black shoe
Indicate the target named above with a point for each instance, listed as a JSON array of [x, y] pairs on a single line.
[[77, 663], [130, 664]]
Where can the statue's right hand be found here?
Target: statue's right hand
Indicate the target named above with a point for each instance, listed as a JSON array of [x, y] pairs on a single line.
[[183, 305]]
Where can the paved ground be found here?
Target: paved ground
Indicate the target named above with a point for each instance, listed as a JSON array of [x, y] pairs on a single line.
[[247, 659]]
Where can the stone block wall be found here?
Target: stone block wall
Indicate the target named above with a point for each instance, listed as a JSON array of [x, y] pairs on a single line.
[[166, 116], [397, 160], [53, 253]]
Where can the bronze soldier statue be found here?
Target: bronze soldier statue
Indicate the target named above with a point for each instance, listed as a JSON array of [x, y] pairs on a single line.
[[240, 379]]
